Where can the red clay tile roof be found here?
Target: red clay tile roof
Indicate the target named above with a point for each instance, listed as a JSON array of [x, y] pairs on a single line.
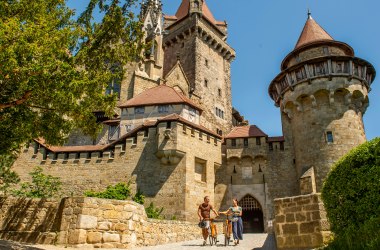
[[159, 95], [67, 149], [276, 139], [312, 32], [184, 9], [246, 132]]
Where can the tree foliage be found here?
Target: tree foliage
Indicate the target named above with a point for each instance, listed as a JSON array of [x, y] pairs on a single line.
[[7, 177], [54, 70], [120, 191], [351, 194], [42, 186]]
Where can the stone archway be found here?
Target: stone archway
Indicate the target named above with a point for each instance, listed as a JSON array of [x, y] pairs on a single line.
[[253, 218]]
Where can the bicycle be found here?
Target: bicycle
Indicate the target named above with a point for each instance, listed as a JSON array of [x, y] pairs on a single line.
[[227, 229], [214, 233]]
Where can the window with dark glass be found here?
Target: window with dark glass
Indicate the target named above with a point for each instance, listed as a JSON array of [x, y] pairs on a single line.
[[271, 146], [113, 88], [245, 142], [258, 141], [233, 142], [281, 145], [163, 109], [168, 125], [139, 110], [329, 136]]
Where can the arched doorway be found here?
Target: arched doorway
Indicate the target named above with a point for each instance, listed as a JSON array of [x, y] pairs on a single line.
[[253, 219]]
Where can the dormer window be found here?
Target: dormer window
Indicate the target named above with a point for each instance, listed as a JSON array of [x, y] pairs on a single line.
[[139, 110]]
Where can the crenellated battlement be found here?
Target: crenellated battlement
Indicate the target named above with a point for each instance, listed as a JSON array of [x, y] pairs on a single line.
[[325, 69]]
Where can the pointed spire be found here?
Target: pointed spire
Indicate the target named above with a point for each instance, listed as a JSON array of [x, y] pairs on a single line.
[[312, 32]]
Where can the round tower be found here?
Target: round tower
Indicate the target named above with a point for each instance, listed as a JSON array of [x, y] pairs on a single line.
[[322, 92]]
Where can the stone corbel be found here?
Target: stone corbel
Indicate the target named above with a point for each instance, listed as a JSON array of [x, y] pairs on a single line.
[[299, 106], [170, 157], [331, 97], [313, 101], [348, 98]]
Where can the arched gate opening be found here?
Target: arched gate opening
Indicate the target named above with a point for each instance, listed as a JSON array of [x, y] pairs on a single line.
[[253, 218]]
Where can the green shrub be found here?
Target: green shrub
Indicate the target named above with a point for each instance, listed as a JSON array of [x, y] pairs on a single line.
[[42, 186], [351, 194], [154, 212], [121, 191], [139, 198]]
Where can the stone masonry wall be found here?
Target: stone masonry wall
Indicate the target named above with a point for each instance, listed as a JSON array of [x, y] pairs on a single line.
[[301, 222], [88, 223]]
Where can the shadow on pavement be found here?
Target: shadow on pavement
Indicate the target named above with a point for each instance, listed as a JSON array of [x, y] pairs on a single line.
[[9, 245], [269, 244]]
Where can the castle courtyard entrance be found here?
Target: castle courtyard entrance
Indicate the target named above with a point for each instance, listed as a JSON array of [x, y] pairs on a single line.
[[253, 219]]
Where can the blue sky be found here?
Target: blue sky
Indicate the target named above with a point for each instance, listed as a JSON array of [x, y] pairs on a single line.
[[264, 32]]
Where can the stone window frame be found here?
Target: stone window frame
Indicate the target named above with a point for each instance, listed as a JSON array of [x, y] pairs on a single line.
[[203, 171], [329, 137]]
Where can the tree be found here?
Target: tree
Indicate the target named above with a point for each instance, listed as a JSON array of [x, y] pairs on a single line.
[[351, 198], [7, 177], [54, 70], [42, 186]]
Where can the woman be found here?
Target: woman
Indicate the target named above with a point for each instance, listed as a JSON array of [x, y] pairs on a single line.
[[237, 223]]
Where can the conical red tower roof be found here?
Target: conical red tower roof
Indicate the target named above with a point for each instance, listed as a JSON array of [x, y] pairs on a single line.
[[312, 32], [184, 10]]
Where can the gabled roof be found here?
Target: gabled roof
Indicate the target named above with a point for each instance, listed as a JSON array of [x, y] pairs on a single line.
[[159, 95], [312, 32], [246, 132]]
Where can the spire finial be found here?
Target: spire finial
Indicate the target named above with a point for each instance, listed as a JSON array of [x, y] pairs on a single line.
[[309, 14]]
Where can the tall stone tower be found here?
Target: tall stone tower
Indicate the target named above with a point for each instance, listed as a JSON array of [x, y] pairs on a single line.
[[322, 92], [198, 41]]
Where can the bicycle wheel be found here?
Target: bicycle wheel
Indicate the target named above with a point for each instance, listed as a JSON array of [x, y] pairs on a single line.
[[215, 240], [211, 240], [226, 240]]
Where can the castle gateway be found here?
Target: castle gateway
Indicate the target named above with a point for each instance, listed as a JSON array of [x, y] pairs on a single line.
[[177, 138]]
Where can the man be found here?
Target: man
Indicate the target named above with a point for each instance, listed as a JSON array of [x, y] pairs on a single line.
[[204, 215]]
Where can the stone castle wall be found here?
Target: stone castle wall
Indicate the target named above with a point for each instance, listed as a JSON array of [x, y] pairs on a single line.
[[301, 222], [161, 166], [88, 223]]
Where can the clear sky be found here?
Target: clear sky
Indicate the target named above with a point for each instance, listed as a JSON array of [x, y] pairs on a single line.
[[264, 32]]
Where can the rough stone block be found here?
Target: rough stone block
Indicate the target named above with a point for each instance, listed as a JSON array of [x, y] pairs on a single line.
[[280, 219], [120, 227], [308, 227], [77, 236], [109, 237], [290, 229], [94, 237], [112, 214], [87, 222], [290, 218], [104, 225]]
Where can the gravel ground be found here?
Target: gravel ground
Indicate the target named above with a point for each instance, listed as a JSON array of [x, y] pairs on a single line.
[[250, 242]]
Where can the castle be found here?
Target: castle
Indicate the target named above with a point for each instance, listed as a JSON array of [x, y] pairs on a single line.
[[177, 138]]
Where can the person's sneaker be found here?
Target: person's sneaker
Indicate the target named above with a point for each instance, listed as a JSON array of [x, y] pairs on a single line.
[[237, 242], [204, 243]]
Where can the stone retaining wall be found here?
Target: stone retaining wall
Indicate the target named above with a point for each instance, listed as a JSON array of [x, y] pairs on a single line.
[[88, 222], [301, 222]]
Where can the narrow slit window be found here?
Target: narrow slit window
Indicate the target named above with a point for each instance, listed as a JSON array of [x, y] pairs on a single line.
[[330, 137]]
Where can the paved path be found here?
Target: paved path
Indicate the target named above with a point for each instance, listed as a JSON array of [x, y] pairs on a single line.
[[250, 242]]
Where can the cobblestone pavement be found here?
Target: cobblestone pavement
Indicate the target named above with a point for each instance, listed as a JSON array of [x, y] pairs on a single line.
[[250, 242]]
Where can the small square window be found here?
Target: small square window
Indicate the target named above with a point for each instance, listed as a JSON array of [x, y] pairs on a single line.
[[168, 125], [233, 142], [246, 142], [329, 137]]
